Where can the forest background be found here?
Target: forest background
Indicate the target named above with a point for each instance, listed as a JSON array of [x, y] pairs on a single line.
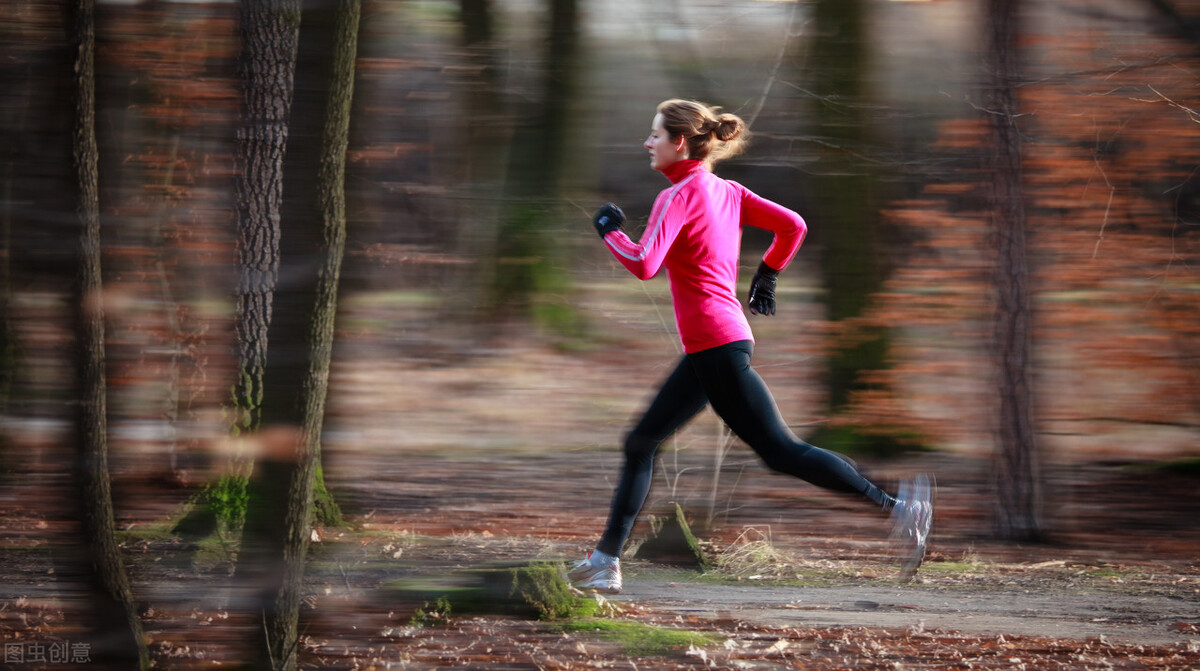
[[487, 353]]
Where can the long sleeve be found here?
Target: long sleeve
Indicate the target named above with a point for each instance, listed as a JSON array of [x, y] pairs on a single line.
[[645, 257], [695, 232], [788, 226]]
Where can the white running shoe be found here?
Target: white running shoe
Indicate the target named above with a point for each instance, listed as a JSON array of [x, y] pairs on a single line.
[[586, 575], [911, 520]]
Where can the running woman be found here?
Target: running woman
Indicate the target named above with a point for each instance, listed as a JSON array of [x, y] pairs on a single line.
[[694, 231]]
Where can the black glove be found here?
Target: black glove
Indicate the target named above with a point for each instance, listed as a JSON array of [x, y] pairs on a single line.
[[608, 218], [762, 290]]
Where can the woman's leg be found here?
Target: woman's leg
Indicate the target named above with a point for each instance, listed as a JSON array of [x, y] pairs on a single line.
[[741, 398], [679, 399]]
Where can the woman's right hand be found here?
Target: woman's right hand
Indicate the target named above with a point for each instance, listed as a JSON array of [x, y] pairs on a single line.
[[607, 219]]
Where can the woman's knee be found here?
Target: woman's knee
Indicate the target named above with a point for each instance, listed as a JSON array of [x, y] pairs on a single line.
[[780, 462], [639, 447]]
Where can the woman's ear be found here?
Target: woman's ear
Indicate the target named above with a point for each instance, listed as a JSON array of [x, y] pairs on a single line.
[[680, 143]]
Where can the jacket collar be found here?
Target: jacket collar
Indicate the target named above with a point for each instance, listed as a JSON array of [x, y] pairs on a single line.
[[680, 170]]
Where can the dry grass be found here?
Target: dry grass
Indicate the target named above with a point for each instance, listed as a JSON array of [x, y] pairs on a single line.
[[752, 555]]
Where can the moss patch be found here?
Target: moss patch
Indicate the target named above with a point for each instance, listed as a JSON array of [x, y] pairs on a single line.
[[639, 639], [326, 511], [951, 567], [537, 590]]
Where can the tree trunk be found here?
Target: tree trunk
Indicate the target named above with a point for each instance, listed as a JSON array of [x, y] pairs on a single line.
[[331, 197], [279, 521], [1016, 473], [8, 342], [116, 626], [528, 281], [847, 210], [266, 64], [269, 32]]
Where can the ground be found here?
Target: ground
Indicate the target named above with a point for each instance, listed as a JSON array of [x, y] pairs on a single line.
[[803, 577]]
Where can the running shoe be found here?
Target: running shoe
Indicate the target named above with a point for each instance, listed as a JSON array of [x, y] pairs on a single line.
[[586, 575], [911, 520]]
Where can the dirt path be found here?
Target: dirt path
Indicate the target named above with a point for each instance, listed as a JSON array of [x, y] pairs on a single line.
[[1140, 619]]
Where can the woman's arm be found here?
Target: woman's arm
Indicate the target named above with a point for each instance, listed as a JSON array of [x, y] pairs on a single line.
[[645, 257], [788, 226]]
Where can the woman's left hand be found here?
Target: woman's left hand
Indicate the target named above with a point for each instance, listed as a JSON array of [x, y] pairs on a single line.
[[762, 290]]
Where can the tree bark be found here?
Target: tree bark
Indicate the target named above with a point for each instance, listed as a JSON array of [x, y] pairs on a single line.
[[302, 335], [1017, 476], [269, 32], [117, 629]]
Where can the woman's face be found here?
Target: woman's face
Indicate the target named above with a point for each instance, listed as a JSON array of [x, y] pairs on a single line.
[[663, 151]]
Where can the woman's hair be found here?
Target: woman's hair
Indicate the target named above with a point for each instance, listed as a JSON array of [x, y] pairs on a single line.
[[710, 136]]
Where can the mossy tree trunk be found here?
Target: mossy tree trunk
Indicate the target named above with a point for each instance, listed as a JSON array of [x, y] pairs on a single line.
[[116, 627], [269, 31]]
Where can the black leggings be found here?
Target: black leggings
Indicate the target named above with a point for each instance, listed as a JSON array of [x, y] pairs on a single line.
[[723, 376]]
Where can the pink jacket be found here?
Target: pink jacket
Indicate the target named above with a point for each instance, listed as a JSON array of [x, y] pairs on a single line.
[[695, 230]]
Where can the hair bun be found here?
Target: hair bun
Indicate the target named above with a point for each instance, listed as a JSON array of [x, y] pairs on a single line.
[[729, 126]]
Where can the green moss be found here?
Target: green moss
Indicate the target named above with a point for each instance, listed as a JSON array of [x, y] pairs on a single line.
[[951, 567], [639, 639], [537, 590], [543, 588], [326, 512], [229, 500], [437, 613]]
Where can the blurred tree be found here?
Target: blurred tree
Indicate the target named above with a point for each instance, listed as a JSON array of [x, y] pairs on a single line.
[[1181, 22], [116, 627], [1017, 468], [846, 206], [484, 129], [279, 518], [477, 22], [8, 342], [1111, 198], [527, 280]]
